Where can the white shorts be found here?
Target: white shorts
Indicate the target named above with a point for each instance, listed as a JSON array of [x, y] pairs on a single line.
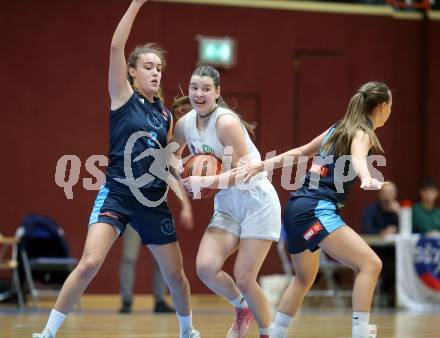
[[253, 213]]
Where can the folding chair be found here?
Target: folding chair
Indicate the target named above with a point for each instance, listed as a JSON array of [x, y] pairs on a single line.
[[45, 256], [327, 270], [10, 262]]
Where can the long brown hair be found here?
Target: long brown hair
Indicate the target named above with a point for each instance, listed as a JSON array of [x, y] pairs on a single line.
[[182, 105], [361, 104], [133, 58]]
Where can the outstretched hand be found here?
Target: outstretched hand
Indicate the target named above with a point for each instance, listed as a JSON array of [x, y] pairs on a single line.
[[249, 170], [370, 183]]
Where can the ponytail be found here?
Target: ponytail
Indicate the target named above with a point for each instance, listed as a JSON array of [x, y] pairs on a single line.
[[361, 104]]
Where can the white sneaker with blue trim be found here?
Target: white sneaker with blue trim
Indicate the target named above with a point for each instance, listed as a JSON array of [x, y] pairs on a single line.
[[45, 334], [364, 331], [191, 334]]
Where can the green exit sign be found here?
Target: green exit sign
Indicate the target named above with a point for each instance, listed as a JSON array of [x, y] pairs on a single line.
[[219, 52]]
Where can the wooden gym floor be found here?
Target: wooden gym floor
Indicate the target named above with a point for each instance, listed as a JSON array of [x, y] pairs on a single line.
[[98, 318]]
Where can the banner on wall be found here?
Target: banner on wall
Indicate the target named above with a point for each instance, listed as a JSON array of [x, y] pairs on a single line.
[[418, 272]]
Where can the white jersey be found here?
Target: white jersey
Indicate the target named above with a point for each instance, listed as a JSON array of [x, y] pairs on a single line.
[[252, 212], [207, 141]]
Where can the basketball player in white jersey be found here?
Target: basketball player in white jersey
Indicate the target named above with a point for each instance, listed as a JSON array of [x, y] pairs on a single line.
[[247, 220]]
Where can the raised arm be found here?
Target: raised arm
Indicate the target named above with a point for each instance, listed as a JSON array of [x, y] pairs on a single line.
[[118, 85]]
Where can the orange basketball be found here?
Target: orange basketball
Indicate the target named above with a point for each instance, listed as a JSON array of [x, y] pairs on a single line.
[[203, 165]]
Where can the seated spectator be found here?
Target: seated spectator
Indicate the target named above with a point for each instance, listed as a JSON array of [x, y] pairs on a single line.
[[426, 215], [381, 217]]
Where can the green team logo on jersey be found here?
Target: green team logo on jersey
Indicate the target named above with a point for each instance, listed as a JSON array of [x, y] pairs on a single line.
[[207, 149]]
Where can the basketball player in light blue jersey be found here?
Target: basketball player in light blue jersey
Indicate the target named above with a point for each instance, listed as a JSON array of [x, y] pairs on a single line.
[[311, 217]]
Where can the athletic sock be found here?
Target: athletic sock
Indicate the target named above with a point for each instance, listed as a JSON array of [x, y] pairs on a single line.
[[55, 320], [185, 323], [360, 318], [239, 302]]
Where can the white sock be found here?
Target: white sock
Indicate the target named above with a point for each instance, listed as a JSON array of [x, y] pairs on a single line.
[[282, 320], [280, 325], [239, 302], [185, 323], [55, 320], [360, 318], [263, 331]]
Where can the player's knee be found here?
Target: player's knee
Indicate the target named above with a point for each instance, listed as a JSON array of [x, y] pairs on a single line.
[[375, 265], [243, 281], [205, 271], [372, 265], [305, 281], [88, 267], [175, 279]]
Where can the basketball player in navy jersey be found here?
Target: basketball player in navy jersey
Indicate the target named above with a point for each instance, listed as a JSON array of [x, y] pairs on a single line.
[[311, 216], [136, 109]]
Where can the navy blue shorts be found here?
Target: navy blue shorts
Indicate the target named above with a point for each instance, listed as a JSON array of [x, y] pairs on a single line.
[[307, 221], [154, 225]]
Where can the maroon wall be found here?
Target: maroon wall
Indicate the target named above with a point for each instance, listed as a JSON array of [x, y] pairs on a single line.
[[431, 98], [295, 74]]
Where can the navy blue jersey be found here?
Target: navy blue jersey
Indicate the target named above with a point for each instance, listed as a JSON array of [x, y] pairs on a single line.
[[324, 182], [137, 115]]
